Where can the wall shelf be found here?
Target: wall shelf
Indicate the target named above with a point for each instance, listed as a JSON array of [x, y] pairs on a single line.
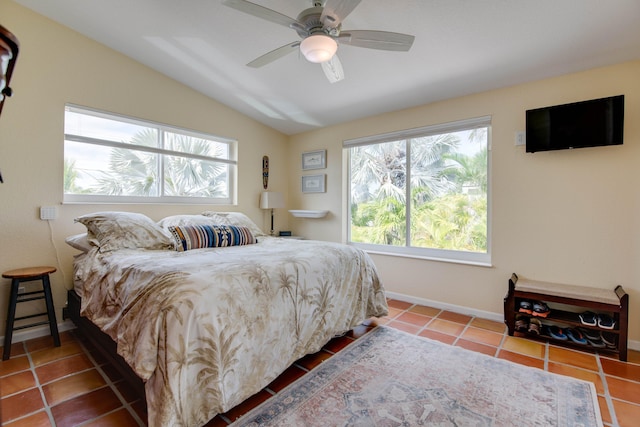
[[308, 213]]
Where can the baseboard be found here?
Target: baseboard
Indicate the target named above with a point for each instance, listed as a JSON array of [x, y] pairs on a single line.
[[40, 331], [498, 317]]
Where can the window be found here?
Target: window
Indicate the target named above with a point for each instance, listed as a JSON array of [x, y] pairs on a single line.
[[111, 158], [422, 192]]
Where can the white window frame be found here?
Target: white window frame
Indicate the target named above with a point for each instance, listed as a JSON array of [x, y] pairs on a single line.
[[89, 198], [463, 257]]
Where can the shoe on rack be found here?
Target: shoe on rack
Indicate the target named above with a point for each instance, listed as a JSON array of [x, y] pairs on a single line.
[[609, 339], [576, 336], [557, 333], [535, 326], [540, 309], [525, 307], [522, 323], [591, 334], [588, 318], [605, 321]]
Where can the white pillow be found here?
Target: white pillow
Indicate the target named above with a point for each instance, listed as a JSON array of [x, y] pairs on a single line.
[[184, 220], [80, 242], [235, 218]]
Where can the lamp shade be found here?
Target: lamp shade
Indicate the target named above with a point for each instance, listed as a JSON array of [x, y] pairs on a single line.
[[318, 48], [271, 200]]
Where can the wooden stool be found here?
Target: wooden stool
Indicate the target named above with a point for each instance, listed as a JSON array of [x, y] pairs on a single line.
[[27, 275]]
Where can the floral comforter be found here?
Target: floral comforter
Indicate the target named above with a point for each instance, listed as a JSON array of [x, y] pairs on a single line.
[[208, 328]]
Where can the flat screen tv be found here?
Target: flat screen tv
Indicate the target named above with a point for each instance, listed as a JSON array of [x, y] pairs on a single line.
[[591, 123]]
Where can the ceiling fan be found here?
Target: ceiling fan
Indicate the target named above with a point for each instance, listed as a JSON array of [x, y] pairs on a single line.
[[320, 28]]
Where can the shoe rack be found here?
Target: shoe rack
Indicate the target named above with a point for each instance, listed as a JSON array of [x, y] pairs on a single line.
[[566, 303]]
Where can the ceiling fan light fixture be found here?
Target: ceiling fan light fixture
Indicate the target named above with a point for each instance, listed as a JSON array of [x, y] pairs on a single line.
[[318, 48]]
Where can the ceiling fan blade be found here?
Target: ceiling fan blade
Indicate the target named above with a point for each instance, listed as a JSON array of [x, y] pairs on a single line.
[[335, 11], [261, 12], [333, 69], [278, 53], [383, 40]]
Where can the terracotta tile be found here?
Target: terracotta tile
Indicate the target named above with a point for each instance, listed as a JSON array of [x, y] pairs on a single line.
[[72, 386], [45, 342], [446, 327], [621, 369], [438, 336], [60, 368], [524, 346], [247, 405], [20, 404], [393, 312], [406, 327], [489, 325], [574, 358], [13, 365], [627, 414], [604, 410], [581, 374], [482, 336], [414, 319], [84, 408], [477, 347], [402, 305], [45, 356], [17, 349], [39, 419], [424, 310], [291, 374], [120, 418], [633, 356], [623, 389], [16, 383], [521, 359], [338, 343], [310, 361], [454, 317]]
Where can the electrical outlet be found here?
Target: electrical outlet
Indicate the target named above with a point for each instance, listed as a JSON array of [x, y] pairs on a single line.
[[521, 138], [48, 212]]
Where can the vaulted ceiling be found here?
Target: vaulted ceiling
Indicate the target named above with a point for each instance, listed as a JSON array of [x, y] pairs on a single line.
[[461, 47]]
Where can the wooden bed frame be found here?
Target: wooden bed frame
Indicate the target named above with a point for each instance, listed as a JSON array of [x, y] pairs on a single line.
[[103, 343]]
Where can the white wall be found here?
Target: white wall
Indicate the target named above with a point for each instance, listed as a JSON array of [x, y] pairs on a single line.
[[567, 216], [57, 66]]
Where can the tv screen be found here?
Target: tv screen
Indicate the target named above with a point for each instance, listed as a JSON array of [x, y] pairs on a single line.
[[591, 123]]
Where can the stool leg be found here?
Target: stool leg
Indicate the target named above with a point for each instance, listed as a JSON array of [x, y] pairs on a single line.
[[53, 325], [11, 314]]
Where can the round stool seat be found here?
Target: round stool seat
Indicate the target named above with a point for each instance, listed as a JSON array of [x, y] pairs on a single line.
[[24, 273]]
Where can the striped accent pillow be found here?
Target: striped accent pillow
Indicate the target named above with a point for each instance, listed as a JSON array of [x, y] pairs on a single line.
[[210, 236]]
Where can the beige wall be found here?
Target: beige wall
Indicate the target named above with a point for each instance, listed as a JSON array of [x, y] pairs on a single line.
[[57, 66], [568, 216]]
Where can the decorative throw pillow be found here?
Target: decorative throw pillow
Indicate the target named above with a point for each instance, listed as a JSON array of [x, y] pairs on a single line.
[[124, 230], [235, 218], [206, 236]]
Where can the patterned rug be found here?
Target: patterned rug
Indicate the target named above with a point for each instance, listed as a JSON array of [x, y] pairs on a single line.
[[390, 378]]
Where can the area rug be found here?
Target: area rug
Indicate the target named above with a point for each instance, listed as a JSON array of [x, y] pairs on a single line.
[[391, 378]]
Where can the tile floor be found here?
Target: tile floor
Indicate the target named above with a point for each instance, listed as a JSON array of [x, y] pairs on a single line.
[[73, 385]]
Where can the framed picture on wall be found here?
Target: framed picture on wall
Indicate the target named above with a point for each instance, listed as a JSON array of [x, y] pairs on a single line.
[[314, 160], [313, 183]]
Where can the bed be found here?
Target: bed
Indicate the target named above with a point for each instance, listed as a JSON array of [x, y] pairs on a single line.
[[210, 303]]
